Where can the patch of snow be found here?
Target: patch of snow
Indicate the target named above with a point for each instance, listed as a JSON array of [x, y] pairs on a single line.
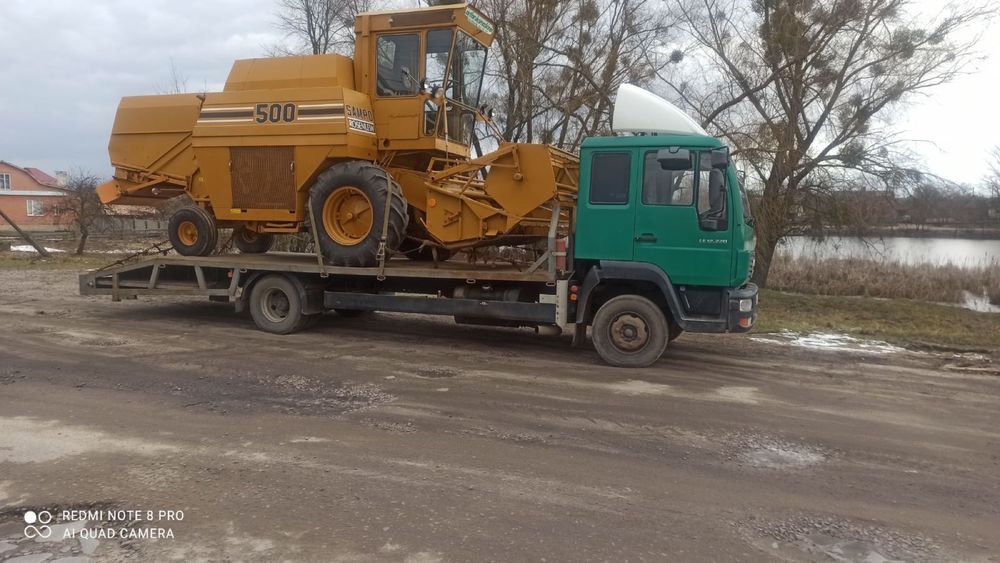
[[978, 303], [29, 248], [831, 341]]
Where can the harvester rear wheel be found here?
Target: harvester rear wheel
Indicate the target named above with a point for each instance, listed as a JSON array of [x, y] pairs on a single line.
[[192, 232], [349, 202], [251, 242]]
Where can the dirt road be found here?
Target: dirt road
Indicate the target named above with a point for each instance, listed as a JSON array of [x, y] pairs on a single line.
[[413, 439]]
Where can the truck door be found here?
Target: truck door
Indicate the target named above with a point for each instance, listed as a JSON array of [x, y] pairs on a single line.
[[682, 221]]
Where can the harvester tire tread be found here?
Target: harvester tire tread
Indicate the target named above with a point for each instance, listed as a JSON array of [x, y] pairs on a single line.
[[206, 235], [378, 186]]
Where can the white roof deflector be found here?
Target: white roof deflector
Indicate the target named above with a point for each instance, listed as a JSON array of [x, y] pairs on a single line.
[[641, 111]]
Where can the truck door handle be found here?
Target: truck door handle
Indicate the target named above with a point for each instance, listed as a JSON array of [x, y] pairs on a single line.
[[646, 237]]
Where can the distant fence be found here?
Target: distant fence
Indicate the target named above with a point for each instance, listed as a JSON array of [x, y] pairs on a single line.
[[131, 225]]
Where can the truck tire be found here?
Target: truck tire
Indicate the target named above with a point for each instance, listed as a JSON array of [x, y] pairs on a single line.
[[251, 242], [192, 231], [630, 331], [276, 305], [349, 202]]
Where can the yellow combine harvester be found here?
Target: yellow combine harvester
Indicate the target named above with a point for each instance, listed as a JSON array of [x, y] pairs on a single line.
[[373, 152]]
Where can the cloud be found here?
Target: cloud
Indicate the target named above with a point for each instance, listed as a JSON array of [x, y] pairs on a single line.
[[66, 63]]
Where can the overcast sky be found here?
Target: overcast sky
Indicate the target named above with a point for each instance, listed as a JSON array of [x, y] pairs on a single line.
[[65, 63]]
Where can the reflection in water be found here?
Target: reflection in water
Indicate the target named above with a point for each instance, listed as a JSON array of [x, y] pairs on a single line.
[[939, 251]]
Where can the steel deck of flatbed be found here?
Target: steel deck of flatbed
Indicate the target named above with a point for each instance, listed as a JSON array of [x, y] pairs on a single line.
[[122, 280]]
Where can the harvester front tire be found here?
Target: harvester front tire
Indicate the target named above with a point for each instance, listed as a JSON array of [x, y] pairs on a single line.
[[192, 231], [250, 242], [630, 331], [276, 305], [349, 202]]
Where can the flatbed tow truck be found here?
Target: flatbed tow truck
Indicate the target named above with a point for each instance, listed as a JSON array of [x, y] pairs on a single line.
[[661, 242], [642, 236]]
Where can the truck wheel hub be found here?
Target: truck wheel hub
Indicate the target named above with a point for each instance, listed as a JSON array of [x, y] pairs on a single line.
[[348, 216], [275, 305], [629, 332]]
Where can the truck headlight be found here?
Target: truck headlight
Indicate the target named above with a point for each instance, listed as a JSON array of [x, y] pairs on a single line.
[[746, 305]]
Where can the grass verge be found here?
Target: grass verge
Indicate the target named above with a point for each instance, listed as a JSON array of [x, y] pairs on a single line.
[[58, 261], [852, 276], [899, 321]]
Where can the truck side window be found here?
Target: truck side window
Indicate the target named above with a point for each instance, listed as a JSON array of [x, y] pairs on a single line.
[[609, 177], [398, 65], [666, 187], [711, 195]]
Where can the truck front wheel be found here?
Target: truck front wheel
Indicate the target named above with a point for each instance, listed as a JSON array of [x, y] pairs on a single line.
[[630, 331]]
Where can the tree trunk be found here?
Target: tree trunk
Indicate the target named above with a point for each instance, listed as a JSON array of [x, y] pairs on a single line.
[[81, 243], [769, 228]]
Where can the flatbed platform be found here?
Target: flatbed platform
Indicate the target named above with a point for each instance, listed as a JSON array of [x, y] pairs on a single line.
[[200, 275]]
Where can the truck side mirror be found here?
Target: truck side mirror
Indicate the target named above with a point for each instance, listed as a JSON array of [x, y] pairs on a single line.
[[720, 158], [674, 158]]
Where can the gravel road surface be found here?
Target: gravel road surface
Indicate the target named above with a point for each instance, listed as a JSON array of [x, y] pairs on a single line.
[[173, 430]]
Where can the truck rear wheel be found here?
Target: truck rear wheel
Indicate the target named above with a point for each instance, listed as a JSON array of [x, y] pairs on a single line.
[[630, 331], [349, 202], [276, 305], [251, 242], [192, 231]]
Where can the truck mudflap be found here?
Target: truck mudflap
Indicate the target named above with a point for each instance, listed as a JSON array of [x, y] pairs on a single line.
[[742, 308]]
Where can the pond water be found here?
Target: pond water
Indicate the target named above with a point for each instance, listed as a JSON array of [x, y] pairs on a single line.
[[966, 253]]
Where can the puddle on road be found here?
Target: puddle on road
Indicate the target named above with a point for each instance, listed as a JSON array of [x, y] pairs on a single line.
[[840, 540], [774, 456], [27, 440], [770, 453]]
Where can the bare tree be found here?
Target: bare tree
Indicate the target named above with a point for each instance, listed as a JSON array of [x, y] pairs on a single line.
[[82, 207], [177, 82], [805, 91], [993, 184], [559, 62], [319, 26]]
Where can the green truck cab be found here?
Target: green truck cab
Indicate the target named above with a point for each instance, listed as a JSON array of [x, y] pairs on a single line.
[[664, 243]]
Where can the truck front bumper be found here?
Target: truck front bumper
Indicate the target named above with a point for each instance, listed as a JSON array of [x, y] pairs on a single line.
[[742, 308]]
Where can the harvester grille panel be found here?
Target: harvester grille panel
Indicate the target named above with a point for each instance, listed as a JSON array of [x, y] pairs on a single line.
[[263, 177]]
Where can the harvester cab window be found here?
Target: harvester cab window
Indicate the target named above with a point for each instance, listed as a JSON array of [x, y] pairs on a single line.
[[436, 72], [468, 68], [666, 187], [436, 62], [398, 65]]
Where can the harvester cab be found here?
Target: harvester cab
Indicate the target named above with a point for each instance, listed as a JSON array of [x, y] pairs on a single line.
[[423, 70]]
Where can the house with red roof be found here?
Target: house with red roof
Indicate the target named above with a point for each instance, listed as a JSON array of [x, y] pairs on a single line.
[[30, 197]]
